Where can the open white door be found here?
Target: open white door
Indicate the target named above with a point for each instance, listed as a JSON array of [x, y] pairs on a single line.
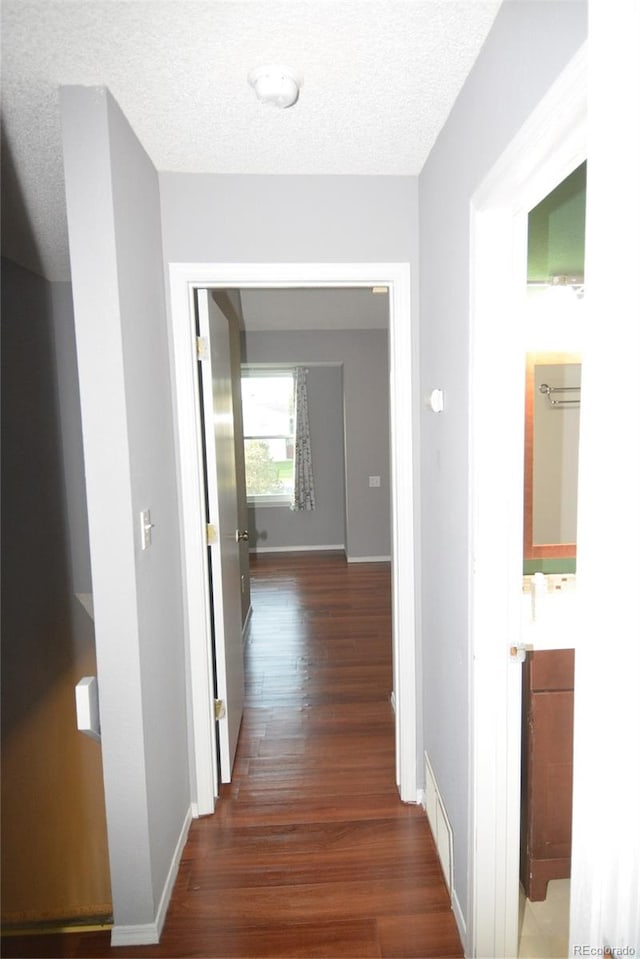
[[222, 519]]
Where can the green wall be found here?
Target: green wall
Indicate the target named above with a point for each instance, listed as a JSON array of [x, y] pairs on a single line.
[[556, 230]]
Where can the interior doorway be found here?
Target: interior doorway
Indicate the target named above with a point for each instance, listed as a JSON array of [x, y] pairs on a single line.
[[550, 145], [554, 333], [336, 342], [184, 278]]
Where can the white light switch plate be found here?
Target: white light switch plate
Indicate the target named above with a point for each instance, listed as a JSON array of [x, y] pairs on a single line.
[[435, 401], [87, 708], [145, 528]]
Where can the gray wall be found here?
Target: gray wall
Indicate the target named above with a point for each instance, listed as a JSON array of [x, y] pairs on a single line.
[[342, 475], [527, 48], [127, 417], [219, 218], [52, 786]]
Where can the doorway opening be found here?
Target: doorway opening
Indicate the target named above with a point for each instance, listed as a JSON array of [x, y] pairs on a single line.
[[554, 334], [184, 279], [550, 145], [334, 343]]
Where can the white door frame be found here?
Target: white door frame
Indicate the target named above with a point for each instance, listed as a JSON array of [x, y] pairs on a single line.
[[546, 149], [184, 278]]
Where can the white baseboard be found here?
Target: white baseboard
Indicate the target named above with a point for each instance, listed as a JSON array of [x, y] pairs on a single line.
[[439, 823], [173, 872], [368, 559], [143, 935], [297, 549], [459, 917], [148, 934]]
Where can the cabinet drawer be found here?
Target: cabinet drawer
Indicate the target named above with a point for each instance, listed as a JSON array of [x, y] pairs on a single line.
[[550, 669]]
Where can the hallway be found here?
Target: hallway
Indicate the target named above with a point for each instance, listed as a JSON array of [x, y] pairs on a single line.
[[310, 852]]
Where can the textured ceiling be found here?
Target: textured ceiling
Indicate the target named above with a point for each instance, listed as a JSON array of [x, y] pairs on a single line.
[[380, 77]]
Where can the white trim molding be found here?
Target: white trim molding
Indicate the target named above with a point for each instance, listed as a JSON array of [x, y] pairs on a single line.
[[184, 278], [145, 934], [149, 933], [338, 548], [431, 801], [368, 559], [458, 915]]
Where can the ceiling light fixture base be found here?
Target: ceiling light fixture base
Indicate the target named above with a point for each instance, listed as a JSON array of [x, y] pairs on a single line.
[[276, 84]]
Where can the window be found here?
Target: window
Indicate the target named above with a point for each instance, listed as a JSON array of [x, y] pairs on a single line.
[[268, 400]]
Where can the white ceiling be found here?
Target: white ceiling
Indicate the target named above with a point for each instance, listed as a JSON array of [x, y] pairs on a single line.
[[380, 77]]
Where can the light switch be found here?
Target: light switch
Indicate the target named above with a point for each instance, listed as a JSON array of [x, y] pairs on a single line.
[[374, 481], [145, 528], [435, 401], [87, 709]]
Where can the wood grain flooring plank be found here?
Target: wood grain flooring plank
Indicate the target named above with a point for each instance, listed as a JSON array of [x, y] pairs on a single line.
[[271, 808], [351, 939], [326, 902], [317, 852], [432, 936]]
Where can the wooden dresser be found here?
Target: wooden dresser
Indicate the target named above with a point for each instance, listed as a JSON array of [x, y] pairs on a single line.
[[547, 769]]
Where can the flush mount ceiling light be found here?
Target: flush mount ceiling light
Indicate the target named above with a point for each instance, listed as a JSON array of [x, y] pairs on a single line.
[[276, 84]]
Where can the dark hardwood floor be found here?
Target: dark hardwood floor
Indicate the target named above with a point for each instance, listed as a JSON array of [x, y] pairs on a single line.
[[310, 852]]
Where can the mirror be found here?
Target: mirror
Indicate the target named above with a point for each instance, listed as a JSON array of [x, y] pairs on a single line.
[[552, 434], [555, 278]]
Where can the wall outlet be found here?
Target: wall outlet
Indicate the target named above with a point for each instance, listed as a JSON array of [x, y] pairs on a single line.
[[374, 481]]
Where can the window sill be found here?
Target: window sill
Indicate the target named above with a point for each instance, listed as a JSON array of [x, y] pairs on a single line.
[[269, 501]]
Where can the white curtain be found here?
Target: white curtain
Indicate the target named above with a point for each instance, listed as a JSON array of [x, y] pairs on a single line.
[[304, 495]]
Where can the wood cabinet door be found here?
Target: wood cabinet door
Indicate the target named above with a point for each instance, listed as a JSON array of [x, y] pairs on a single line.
[[551, 774], [547, 770]]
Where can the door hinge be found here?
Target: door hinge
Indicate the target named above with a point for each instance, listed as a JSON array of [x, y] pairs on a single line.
[[219, 709], [202, 347], [211, 534]]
